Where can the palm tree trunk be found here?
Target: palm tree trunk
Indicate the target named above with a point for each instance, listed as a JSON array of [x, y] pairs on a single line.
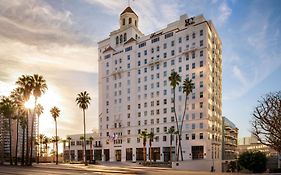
[[180, 132], [85, 153], [176, 118], [17, 140], [22, 148], [27, 140], [32, 136], [57, 155], [10, 138]]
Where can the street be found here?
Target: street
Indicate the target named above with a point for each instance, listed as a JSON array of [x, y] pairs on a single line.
[[67, 169]]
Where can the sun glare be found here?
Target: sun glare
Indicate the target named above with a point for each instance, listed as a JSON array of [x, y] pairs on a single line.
[[30, 103]]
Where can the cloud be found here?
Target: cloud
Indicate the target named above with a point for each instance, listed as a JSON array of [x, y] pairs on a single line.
[[224, 12]]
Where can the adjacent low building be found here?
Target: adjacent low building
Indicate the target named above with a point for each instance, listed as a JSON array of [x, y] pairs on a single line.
[[93, 148], [229, 140]]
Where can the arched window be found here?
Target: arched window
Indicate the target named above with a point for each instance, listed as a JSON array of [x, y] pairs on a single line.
[[117, 40], [130, 20], [125, 37], [124, 21], [121, 38]]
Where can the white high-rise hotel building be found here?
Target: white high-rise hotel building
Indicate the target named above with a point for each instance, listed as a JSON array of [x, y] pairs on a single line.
[[135, 93]]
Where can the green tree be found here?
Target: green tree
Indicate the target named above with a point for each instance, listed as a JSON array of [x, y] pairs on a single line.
[[150, 137], [7, 109], [39, 87], [46, 141], [83, 101], [25, 85], [175, 79], [69, 145], [143, 135], [55, 112], [253, 161]]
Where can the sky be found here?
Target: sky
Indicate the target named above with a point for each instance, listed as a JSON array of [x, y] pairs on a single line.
[[58, 39]]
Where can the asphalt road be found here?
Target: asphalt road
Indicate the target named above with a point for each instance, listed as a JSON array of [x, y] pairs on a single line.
[[7, 170]]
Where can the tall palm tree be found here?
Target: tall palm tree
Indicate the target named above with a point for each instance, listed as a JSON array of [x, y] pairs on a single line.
[[150, 136], [23, 124], [83, 143], [83, 101], [17, 98], [175, 79], [91, 147], [25, 85], [39, 87], [143, 135], [69, 155], [8, 109], [55, 112], [171, 132], [187, 89], [38, 110]]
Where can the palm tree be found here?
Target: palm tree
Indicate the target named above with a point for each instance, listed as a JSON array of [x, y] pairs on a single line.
[[171, 131], [23, 124], [175, 79], [144, 135], [16, 96], [187, 89], [69, 139], [8, 109], [55, 112], [150, 136], [38, 110], [41, 140], [91, 147], [83, 101], [46, 141], [25, 85], [39, 87]]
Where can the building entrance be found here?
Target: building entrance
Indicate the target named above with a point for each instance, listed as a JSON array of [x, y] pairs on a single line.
[[106, 154], [118, 155]]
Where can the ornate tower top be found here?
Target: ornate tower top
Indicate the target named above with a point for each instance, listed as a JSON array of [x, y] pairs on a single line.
[[128, 18]]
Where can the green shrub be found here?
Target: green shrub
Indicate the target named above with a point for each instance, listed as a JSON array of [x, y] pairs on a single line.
[[253, 161]]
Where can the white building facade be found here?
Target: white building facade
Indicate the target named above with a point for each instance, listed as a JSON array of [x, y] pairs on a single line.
[[135, 93]]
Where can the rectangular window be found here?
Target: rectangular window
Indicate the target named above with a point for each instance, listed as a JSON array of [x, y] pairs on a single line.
[[201, 53], [187, 37], [168, 35], [193, 65], [172, 62], [201, 63], [201, 94], [201, 43], [187, 67], [139, 54], [201, 32], [186, 136], [165, 46], [193, 136], [142, 44], [172, 52], [165, 55], [154, 40], [172, 43], [201, 135], [128, 49], [201, 125], [145, 52], [180, 40]]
